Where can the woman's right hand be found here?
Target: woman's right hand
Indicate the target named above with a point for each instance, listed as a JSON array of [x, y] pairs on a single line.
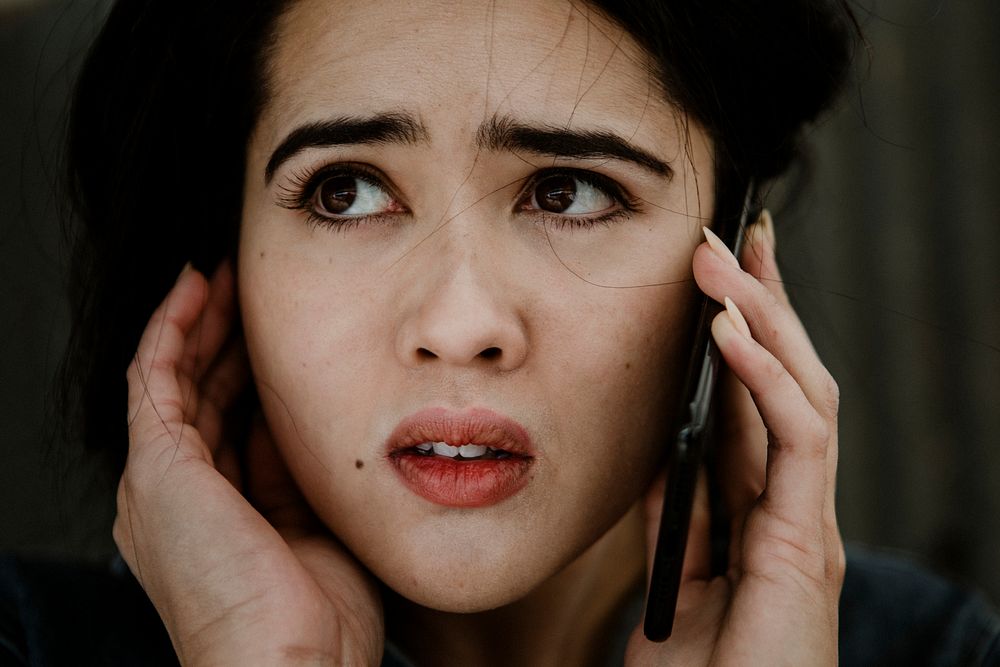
[[777, 604], [240, 570]]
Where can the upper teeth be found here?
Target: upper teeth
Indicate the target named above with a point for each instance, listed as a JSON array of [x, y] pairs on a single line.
[[471, 451], [443, 449]]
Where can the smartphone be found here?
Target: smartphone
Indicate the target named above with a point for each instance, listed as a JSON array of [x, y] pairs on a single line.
[[686, 451]]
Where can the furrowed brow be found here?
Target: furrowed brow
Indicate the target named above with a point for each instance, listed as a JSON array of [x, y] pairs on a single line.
[[502, 133], [383, 128]]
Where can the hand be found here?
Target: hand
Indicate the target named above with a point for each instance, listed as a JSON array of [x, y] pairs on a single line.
[[233, 583], [777, 604]]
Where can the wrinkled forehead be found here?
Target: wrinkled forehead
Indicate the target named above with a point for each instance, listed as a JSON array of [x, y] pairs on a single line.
[[453, 63]]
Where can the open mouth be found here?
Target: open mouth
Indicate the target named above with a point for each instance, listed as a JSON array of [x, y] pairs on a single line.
[[467, 452], [471, 458]]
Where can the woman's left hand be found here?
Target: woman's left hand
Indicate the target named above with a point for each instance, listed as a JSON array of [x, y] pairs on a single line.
[[778, 602], [211, 522]]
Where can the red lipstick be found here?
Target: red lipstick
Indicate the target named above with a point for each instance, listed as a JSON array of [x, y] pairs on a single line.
[[467, 458]]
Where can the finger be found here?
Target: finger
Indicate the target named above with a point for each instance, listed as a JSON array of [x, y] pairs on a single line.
[[742, 447], [773, 323], [221, 388], [742, 436], [798, 436], [158, 398], [759, 258], [221, 419], [215, 324]]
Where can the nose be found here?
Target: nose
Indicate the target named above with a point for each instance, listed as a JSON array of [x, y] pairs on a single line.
[[460, 313]]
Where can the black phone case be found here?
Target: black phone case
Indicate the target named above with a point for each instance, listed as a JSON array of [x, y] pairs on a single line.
[[686, 456]]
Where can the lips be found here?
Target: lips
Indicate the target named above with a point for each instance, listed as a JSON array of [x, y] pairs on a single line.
[[469, 458]]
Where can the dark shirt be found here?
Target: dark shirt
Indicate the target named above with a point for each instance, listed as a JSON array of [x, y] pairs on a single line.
[[891, 613]]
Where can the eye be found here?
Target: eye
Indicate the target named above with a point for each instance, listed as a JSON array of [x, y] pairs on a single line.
[[574, 194], [348, 194], [341, 195]]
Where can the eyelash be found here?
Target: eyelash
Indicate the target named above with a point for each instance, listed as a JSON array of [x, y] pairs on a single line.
[[628, 205], [302, 188]]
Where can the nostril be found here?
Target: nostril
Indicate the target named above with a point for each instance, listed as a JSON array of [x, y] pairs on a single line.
[[424, 353], [490, 353]]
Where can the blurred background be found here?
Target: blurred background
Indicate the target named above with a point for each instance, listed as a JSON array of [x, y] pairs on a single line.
[[892, 255]]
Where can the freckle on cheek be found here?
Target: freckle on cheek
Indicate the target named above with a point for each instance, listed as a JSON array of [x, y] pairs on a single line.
[[628, 365], [359, 464], [262, 254]]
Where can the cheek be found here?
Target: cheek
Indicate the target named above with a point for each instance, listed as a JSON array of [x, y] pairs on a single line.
[[293, 329], [311, 352], [615, 375], [626, 349]]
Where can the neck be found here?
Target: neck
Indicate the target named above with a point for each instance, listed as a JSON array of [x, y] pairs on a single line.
[[569, 619]]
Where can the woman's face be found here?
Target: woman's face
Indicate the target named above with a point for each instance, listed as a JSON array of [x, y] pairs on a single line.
[[410, 188]]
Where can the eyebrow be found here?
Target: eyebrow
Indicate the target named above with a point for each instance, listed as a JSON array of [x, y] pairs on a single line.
[[503, 133], [497, 134], [382, 128]]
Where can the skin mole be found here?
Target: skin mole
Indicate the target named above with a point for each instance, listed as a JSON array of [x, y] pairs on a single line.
[[359, 464]]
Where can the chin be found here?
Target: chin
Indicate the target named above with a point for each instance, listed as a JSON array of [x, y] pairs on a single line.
[[483, 565], [480, 591], [469, 566], [465, 576]]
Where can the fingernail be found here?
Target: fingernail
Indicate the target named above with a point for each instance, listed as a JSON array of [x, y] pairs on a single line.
[[720, 248], [736, 317], [187, 267]]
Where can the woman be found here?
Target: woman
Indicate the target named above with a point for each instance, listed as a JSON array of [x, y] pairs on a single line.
[[416, 413]]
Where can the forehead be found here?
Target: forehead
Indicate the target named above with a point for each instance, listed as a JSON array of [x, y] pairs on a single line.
[[552, 62]]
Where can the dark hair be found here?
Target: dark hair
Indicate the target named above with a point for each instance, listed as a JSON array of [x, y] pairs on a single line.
[[170, 92]]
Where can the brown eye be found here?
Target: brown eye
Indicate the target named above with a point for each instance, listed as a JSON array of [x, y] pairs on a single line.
[[567, 194], [556, 193], [351, 195], [336, 195]]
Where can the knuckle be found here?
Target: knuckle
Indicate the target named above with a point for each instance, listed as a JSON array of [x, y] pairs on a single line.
[[119, 533], [120, 530], [134, 371], [816, 434], [836, 565], [831, 394], [774, 372], [163, 362], [768, 300], [810, 439]]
